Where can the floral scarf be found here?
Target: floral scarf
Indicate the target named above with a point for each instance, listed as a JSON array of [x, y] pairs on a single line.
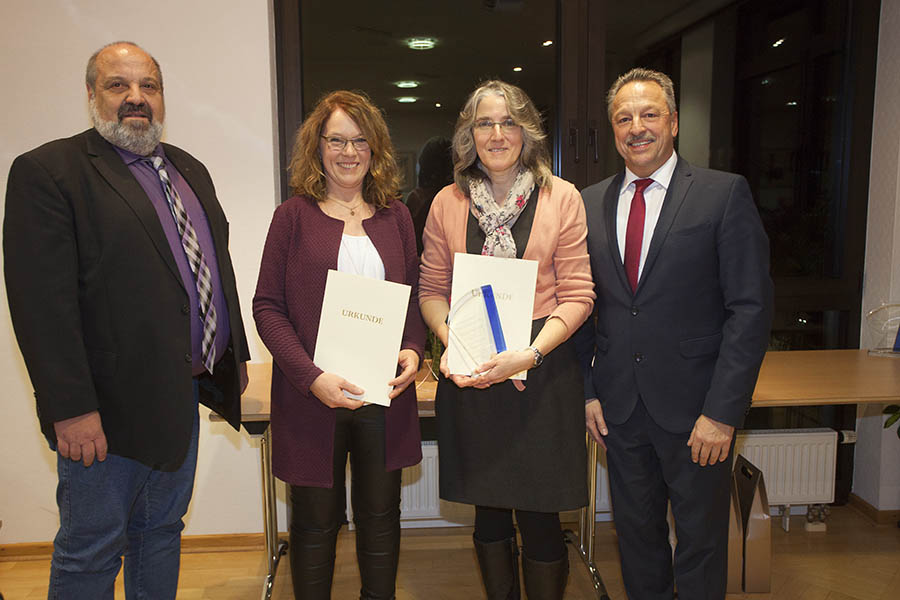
[[496, 221]]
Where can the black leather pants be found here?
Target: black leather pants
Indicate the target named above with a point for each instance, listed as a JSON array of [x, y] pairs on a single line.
[[318, 513]]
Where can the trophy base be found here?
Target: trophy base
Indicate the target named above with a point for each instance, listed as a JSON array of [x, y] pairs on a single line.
[[885, 352]]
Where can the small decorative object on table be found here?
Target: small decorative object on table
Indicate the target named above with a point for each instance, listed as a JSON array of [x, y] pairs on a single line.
[[883, 324]]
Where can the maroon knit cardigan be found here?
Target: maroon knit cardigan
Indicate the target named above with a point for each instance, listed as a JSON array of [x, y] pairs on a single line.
[[302, 244]]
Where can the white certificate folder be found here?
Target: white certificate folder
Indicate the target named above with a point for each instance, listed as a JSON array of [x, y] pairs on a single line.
[[472, 339], [360, 332]]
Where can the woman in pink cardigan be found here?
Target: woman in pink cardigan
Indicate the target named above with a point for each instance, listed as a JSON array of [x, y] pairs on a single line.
[[345, 215], [507, 447]]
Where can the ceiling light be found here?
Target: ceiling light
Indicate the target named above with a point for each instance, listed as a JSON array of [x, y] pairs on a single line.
[[791, 103], [406, 99], [406, 84], [778, 42], [421, 43], [548, 43], [517, 69], [437, 104], [766, 81]]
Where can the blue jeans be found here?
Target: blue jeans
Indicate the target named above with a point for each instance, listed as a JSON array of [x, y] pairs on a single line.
[[120, 507]]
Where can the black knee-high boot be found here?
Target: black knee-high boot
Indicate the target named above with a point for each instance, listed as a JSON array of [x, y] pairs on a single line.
[[545, 580], [499, 563]]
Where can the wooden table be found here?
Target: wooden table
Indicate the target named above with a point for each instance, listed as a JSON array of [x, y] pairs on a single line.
[[816, 377], [796, 378]]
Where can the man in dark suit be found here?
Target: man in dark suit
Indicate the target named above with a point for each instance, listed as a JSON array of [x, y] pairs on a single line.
[[684, 302], [124, 304]]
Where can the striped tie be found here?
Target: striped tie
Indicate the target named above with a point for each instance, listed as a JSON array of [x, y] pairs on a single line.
[[197, 262]]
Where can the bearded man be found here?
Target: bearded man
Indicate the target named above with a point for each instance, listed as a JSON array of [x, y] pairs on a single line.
[[124, 305]]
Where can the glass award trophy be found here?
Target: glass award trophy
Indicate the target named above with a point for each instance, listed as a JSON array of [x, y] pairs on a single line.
[[883, 324]]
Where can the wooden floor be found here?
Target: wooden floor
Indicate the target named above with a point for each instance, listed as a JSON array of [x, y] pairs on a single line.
[[853, 560]]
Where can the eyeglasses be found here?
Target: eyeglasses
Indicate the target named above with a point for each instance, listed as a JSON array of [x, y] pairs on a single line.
[[337, 143], [506, 125]]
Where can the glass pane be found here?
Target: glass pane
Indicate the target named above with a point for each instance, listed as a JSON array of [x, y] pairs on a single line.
[[809, 330], [364, 45], [789, 133]]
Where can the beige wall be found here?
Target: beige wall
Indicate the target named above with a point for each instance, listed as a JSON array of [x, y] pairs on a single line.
[[695, 102], [219, 96]]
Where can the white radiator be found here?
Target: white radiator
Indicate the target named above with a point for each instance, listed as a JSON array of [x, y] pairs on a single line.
[[419, 491], [798, 464]]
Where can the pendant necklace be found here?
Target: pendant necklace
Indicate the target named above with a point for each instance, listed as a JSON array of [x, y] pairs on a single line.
[[352, 209]]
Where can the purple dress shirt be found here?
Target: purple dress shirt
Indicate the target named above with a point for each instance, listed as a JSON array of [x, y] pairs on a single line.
[[149, 179]]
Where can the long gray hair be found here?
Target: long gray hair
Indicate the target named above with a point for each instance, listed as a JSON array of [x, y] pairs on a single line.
[[534, 157]]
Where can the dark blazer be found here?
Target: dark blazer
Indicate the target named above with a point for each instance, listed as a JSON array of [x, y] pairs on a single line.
[[692, 337], [97, 303]]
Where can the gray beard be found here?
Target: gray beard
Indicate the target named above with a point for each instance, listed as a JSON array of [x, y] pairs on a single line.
[[139, 139]]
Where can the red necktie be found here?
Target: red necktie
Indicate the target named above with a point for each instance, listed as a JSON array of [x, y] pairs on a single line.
[[634, 234]]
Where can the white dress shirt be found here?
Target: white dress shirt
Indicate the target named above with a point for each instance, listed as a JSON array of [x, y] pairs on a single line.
[[654, 195]]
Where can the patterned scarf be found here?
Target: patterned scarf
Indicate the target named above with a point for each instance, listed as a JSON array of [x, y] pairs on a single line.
[[496, 221]]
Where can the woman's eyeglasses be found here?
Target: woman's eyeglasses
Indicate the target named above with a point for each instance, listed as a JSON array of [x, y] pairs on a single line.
[[484, 125], [337, 144]]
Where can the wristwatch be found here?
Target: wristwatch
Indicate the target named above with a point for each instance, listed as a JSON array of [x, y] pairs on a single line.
[[538, 356]]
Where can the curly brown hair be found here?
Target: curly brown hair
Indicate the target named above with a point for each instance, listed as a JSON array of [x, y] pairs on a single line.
[[307, 177], [535, 157]]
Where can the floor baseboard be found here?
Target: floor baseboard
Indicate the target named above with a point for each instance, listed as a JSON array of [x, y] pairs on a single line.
[[880, 517], [226, 542]]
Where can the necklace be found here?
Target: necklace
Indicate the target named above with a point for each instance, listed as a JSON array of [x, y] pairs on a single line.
[[352, 209]]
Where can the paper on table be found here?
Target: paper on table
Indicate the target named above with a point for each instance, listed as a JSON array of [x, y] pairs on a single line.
[[513, 282], [360, 332]]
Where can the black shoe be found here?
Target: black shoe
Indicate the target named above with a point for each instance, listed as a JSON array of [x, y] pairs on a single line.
[[499, 562], [545, 580]]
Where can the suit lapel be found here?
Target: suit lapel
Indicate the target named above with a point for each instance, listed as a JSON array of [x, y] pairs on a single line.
[[610, 206], [678, 188], [206, 195], [114, 170]]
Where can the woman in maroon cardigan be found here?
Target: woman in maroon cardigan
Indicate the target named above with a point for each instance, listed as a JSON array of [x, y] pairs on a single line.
[[344, 215]]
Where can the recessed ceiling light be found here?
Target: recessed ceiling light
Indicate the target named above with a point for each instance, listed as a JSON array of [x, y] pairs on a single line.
[[778, 42], [517, 69], [421, 43], [791, 103], [548, 43], [406, 84], [406, 99], [437, 104]]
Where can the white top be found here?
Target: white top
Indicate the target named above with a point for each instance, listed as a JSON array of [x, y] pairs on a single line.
[[359, 256], [654, 194]]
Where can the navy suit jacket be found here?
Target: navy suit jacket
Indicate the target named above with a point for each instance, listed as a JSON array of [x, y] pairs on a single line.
[[98, 305], [691, 339]]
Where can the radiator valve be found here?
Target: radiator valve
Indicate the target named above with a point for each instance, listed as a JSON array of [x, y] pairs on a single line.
[[846, 436]]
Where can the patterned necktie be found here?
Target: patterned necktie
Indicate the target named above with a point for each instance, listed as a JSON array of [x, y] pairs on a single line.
[[634, 234], [195, 257]]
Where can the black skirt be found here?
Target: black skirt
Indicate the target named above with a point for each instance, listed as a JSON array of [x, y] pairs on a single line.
[[508, 449]]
